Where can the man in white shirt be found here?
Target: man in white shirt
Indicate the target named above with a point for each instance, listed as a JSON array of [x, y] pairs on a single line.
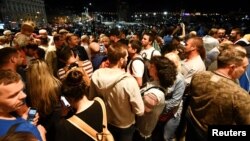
[[148, 50]]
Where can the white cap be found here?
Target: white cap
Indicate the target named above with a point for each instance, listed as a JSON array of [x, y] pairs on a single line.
[[7, 32], [42, 31]]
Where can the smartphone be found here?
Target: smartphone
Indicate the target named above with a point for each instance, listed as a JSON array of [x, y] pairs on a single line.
[[31, 114], [65, 101], [102, 48]]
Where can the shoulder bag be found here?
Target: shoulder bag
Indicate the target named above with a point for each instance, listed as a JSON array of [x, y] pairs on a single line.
[[105, 135]]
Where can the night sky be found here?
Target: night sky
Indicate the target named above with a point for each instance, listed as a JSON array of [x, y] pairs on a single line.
[[223, 6]]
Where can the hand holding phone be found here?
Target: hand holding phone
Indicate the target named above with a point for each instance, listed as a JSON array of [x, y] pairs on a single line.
[[65, 101], [67, 110], [32, 114]]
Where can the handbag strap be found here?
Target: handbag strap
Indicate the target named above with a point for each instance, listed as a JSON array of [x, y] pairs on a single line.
[[104, 113], [83, 126]]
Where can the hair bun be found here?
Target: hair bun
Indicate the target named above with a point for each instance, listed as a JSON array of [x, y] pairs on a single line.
[[74, 78]]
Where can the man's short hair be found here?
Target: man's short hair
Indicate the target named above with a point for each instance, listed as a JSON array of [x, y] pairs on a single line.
[[150, 35], [116, 51], [69, 35], [135, 44], [32, 46], [5, 54], [65, 54], [7, 77], [230, 56], [57, 37]]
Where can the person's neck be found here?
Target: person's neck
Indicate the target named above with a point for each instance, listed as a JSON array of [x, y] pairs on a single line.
[[4, 115], [135, 55], [72, 46], [148, 46], [9, 67], [223, 72], [192, 55], [114, 66], [83, 104]]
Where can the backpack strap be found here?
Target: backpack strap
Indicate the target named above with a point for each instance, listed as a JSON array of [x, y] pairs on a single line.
[[130, 67], [144, 55], [153, 87], [152, 53]]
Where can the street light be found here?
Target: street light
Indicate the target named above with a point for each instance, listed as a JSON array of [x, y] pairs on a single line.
[[37, 17]]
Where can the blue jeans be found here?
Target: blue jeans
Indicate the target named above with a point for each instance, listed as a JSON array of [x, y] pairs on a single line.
[[122, 134], [170, 128]]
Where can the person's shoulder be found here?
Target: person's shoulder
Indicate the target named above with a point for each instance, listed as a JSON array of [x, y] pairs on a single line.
[[201, 74], [62, 124], [85, 63], [156, 52], [137, 61], [180, 77], [128, 79], [80, 48], [24, 125], [205, 73]]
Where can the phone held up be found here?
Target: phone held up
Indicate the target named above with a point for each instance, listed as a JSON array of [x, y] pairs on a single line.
[[31, 114], [67, 104]]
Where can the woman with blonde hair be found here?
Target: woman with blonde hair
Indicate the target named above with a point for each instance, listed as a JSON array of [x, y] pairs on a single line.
[[43, 92]]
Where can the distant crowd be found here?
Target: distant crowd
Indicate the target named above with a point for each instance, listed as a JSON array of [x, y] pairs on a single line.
[[158, 83]]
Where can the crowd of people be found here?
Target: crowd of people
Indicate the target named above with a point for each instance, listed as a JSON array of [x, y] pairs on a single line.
[[158, 84]]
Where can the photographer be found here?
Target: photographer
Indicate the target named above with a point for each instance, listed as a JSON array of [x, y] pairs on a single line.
[[71, 60]]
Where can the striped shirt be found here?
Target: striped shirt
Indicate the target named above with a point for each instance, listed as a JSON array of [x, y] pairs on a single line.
[[86, 65]]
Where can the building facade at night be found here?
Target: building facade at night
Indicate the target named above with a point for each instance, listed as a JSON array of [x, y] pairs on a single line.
[[16, 11]]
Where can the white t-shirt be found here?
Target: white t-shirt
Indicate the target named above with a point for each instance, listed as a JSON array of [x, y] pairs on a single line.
[[137, 68], [148, 52]]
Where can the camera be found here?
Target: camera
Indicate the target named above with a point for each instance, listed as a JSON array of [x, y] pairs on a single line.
[[72, 65], [31, 114]]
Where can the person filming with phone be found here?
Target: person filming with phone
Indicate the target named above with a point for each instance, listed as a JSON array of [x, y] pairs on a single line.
[[12, 99]]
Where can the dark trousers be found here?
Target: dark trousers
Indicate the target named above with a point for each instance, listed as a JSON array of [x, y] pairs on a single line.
[[193, 132], [122, 134], [158, 132]]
